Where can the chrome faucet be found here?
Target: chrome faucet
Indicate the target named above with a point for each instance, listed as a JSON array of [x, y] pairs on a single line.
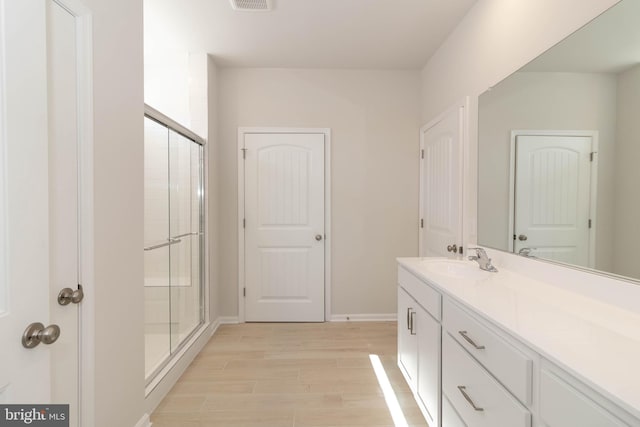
[[483, 260], [526, 252]]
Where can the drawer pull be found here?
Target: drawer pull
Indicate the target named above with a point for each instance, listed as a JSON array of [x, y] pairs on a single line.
[[470, 341], [466, 396]]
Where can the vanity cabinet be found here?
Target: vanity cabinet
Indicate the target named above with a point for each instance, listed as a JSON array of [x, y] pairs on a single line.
[[466, 371], [506, 363], [419, 343], [407, 338], [485, 378], [474, 393], [428, 393], [450, 417], [562, 405]]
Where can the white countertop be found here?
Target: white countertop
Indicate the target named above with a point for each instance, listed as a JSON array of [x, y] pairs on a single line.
[[597, 342]]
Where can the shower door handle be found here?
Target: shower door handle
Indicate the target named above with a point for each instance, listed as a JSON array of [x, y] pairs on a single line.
[[195, 233], [162, 245]]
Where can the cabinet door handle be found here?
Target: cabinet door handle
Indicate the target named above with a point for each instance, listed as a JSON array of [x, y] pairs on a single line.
[[412, 331], [409, 318], [470, 341], [468, 398]]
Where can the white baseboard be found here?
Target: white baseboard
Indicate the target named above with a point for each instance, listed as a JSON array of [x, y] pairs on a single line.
[[214, 326], [166, 379], [145, 421], [386, 317], [228, 320]]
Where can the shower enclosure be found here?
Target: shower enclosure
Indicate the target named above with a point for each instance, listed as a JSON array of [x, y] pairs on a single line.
[[174, 238]]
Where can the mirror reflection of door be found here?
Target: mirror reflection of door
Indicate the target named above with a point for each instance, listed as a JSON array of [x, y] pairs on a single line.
[[553, 195]]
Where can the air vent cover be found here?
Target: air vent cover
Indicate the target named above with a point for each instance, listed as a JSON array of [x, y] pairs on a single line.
[[251, 5]]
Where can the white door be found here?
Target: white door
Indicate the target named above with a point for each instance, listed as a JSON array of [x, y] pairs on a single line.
[[39, 203], [441, 185], [284, 227], [552, 197]]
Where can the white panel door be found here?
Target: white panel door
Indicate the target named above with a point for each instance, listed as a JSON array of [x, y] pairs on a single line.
[[39, 201], [441, 185], [552, 197], [284, 227]]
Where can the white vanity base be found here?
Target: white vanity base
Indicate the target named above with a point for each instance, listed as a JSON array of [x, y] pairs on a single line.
[[505, 349]]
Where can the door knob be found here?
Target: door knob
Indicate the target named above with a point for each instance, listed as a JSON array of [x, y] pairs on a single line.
[[522, 237], [36, 333], [68, 295], [452, 248], [318, 237]]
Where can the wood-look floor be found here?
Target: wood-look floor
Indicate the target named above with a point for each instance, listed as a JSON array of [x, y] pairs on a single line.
[[290, 375]]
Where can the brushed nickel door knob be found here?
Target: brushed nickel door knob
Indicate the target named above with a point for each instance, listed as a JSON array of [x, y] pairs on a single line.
[[36, 333]]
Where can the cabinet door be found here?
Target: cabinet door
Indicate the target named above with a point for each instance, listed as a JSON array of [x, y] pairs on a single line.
[[429, 342], [561, 405], [407, 338]]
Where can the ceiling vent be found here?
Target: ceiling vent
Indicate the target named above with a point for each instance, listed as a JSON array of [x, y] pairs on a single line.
[[251, 5]]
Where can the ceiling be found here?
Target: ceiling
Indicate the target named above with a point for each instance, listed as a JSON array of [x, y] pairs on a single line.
[[374, 34]]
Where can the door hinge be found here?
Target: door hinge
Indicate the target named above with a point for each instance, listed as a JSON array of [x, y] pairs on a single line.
[[591, 156], [422, 154], [421, 223], [244, 153], [589, 223], [244, 223], [244, 292]]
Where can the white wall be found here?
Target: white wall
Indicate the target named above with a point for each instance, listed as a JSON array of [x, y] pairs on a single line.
[[627, 205], [166, 82], [213, 189], [118, 362], [493, 40], [545, 101], [374, 120]]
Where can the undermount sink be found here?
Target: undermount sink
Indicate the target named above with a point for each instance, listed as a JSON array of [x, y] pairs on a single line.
[[457, 269]]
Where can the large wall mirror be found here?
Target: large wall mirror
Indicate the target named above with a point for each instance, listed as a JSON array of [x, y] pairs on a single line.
[[559, 151]]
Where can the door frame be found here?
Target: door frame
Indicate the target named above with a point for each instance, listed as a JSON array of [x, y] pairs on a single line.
[[463, 107], [242, 131], [86, 314], [593, 184], [86, 310]]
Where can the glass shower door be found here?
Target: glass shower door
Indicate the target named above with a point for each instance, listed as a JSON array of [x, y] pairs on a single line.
[[174, 242], [157, 246], [185, 227]]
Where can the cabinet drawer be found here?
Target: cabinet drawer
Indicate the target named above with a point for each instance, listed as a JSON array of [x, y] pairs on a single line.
[[449, 416], [510, 366], [466, 384], [561, 405], [426, 296]]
